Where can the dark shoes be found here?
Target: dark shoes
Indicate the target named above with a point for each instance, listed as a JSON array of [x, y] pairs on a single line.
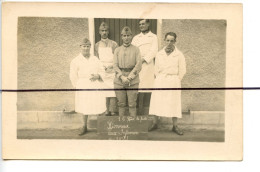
[[83, 131], [153, 127], [177, 130], [107, 113], [110, 114]]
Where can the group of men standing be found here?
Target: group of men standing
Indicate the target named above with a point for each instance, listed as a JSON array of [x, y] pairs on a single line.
[[136, 64]]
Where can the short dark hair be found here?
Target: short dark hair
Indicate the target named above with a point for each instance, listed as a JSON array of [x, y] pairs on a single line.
[[146, 20], [171, 34]]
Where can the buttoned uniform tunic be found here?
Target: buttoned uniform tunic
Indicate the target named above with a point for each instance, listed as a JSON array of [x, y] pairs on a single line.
[[104, 50], [127, 58], [127, 62], [87, 102], [148, 45], [169, 71]]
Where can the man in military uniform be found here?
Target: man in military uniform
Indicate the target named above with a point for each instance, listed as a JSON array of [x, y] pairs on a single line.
[[127, 65]]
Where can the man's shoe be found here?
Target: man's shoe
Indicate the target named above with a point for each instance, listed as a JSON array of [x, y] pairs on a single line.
[[107, 113], [153, 127], [177, 130]]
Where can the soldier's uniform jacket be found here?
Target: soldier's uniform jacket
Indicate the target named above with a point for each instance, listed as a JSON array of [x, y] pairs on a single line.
[[127, 62]]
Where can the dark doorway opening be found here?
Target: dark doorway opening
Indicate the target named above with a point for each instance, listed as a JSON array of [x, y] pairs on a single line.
[[116, 25]]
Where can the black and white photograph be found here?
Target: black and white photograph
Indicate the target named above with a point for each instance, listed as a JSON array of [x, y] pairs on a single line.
[[127, 78], [145, 54]]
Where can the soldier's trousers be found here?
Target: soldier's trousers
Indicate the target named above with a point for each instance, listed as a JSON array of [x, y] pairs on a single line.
[[129, 95]]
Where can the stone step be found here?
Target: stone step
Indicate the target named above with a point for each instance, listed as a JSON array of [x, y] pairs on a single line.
[[52, 119]]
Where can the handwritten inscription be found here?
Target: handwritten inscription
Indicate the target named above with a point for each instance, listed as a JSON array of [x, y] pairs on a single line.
[[111, 126], [123, 128], [122, 135], [130, 118]]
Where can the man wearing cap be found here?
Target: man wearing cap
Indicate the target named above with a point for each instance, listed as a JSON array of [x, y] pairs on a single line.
[[104, 50], [147, 42], [86, 72], [127, 64]]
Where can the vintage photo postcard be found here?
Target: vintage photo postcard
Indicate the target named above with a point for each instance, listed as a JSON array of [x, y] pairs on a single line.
[[122, 81]]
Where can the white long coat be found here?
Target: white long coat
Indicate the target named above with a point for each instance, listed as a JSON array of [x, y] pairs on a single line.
[[87, 102], [148, 45], [169, 71]]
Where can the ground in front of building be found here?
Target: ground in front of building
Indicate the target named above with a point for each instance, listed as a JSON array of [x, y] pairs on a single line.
[[191, 133]]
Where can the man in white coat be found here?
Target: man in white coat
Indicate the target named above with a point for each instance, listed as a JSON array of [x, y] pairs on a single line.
[[86, 72], [170, 67], [104, 50], [147, 42]]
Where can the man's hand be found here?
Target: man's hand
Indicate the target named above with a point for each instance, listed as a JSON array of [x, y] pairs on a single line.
[[109, 69], [125, 80], [94, 77]]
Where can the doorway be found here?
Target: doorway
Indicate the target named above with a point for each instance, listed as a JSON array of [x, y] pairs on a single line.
[[116, 25]]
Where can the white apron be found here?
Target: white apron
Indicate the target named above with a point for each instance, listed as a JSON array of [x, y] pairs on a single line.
[[106, 57], [148, 45], [166, 103]]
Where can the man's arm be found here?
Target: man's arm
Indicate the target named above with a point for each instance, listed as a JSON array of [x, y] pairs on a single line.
[[138, 65], [73, 73], [116, 64], [182, 66], [96, 50], [134, 41], [101, 72], [114, 46], [153, 51], [156, 66]]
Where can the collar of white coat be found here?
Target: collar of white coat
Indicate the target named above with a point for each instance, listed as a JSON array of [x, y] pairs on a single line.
[[175, 52], [148, 34], [81, 57], [104, 40]]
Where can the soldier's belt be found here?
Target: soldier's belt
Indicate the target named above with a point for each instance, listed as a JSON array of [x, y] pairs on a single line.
[[126, 69]]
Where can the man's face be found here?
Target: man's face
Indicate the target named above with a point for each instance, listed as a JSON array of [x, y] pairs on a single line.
[[103, 33], [85, 49], [169, 41], [143, 25], [127, 38]]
